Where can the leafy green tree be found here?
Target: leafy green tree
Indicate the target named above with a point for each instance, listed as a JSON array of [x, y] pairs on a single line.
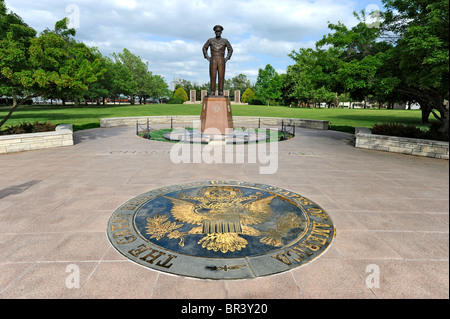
[[101, 89], [139, 73], [420, 56], [237, 83], [300, 76], [247, 95], [50, 64], [119, 80], [159, 87], [122, 82], [185, 84], [357, 60], [15, 40], [268, 85], [180, 93]]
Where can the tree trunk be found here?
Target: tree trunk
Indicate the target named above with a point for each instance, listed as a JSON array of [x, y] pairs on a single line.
[[11, 111], [425, 114], [15, 107], [444, 123], [444, 112]]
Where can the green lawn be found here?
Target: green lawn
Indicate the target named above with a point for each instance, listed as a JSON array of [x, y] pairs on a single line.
[[88, 117]]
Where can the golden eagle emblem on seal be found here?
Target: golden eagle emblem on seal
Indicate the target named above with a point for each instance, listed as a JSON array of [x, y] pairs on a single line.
[[222, 214]]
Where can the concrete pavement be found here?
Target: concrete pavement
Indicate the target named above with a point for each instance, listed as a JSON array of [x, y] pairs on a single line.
[[391, 213]]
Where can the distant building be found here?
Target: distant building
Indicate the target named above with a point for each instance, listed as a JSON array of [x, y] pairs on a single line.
[[174, 83]]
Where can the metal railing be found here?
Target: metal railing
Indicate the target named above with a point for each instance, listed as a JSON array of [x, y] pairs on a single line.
[[286, 126], [146, 129]]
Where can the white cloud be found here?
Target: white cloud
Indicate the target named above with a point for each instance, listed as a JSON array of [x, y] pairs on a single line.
[[125, 4], [170, 33]]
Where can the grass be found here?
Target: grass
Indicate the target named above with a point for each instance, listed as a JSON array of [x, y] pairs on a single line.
[[158, 135], [85, 117]]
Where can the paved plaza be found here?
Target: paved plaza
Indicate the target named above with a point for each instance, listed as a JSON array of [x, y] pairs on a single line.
[[390, 211]]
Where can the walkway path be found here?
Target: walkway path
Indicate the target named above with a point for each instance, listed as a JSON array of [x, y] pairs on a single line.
[[391, 214]]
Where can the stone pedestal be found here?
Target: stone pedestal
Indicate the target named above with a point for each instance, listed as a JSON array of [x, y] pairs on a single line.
[[193, 97], [203, 94], [237, 96], [216, 114]]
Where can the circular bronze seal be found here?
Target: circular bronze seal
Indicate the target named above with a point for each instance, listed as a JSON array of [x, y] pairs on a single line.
[[221, 230]]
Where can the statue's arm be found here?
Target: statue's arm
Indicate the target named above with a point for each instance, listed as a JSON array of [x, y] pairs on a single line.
[[205, 50], [230, 51]]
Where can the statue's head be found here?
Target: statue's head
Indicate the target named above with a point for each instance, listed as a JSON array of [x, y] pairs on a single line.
[[218, 30]]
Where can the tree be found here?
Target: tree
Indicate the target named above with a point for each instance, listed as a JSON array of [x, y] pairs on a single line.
[[185, 84], [300, 78], [420, 54], [15, 40], [247, 95], [159, 87], [51, 64], [139, 72], [101, 89], [356, 62], [268, 85], [237, 83], [180, 93], [121, 80]]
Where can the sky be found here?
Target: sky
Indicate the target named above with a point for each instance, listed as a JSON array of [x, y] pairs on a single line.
[[170, 34]]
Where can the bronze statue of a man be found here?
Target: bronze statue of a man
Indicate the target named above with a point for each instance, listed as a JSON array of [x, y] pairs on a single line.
[[217, 60]]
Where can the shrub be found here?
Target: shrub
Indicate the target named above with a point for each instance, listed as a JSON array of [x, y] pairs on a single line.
[[400, 130], [255, 101], [247, 95], [396, 129], [181, 94], [27, 127], [175, 100]]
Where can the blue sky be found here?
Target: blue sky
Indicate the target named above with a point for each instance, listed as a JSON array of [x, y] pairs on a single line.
[[170, 34]]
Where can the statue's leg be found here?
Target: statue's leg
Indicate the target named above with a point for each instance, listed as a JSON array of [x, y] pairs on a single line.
[[221, 68], [213, 75]]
